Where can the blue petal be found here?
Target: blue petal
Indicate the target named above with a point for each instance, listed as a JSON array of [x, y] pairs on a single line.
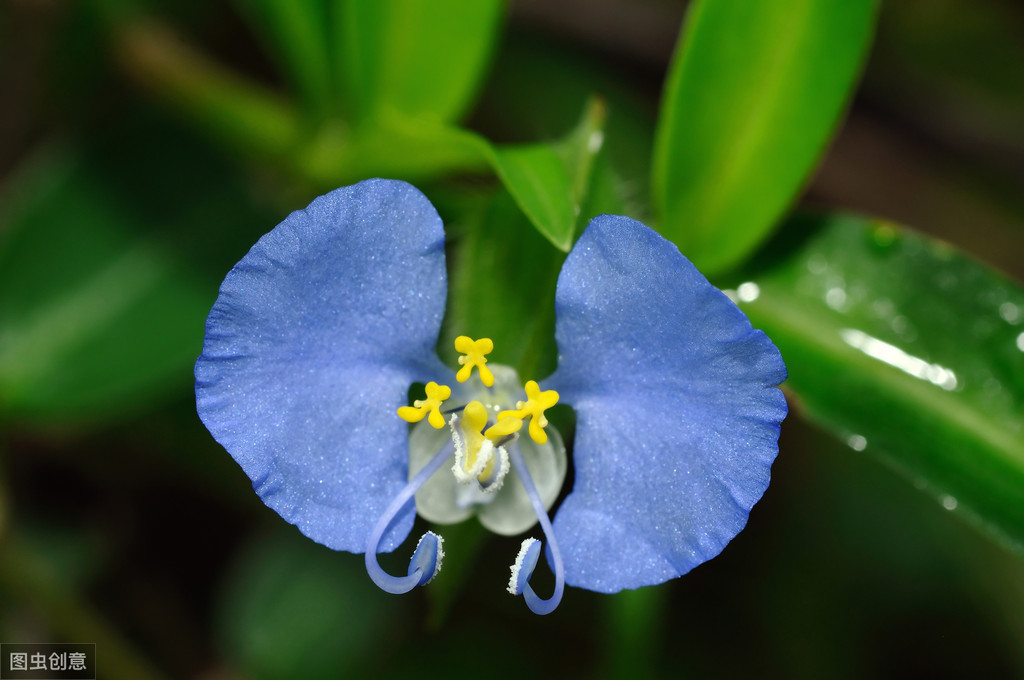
[[311, 347], [677, 410]]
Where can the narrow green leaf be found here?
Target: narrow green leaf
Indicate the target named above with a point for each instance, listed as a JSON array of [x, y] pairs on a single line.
[[414, 58], [551, 181], [908, 350], [296, 35], [581, 147], [529, 69], [753, 94], [535, 176]]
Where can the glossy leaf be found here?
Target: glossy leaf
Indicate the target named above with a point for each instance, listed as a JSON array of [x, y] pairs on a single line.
[[908, 350], [415, 58], [753, 94]]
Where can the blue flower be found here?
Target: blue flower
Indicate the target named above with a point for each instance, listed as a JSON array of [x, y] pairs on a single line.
[[319, 331]]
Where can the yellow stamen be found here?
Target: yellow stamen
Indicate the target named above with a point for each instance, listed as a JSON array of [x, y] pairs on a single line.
[[476, 440], [503, 428], [436, 394], [473, 355], [533, 408]]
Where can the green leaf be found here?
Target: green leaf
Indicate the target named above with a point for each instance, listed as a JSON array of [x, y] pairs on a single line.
[[753, 94], [580, 148], [414, 58], [296, 34], [502, 286], [530, 69], [91, 316], [907, 350], [99, 314], [389, 146], [551, 181], [535, 176]]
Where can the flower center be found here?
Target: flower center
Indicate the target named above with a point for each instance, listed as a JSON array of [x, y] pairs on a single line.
[[507, 480], [480, 455], [482, 480]]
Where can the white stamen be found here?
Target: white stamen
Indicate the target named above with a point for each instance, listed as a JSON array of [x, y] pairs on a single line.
[[440, 554], [524, 549]]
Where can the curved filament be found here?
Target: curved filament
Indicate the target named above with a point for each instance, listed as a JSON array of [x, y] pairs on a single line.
[[426, 560], [529, 554]]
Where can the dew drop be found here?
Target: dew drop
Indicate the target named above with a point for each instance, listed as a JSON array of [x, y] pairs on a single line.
[[748, 292], [836, 298], [1020, 342], [948, 502], [1010, 312], [857, 442]]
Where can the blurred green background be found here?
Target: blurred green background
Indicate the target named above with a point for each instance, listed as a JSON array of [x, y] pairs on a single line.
[[145, 145]]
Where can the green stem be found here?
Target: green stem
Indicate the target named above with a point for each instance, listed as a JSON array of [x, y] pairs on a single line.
[[226, 104], [635, 619]]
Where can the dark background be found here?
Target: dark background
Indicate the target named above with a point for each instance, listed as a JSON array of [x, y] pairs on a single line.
[[133, 529]]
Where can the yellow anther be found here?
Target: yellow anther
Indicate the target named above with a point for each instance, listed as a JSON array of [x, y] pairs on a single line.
[[473, 355], [533, 408], [503, 428], [432, 405]]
